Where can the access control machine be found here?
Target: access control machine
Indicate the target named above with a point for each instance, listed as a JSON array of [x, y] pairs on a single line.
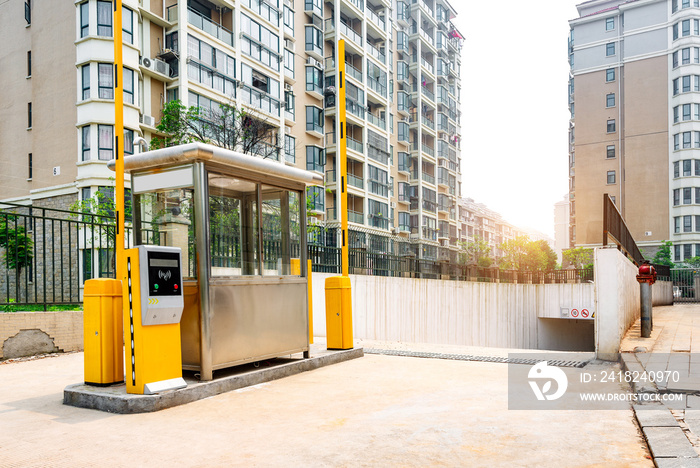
[[153, 304]]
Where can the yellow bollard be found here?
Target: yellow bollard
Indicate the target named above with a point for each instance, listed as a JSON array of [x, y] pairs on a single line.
[[338, 313], [103, 333]]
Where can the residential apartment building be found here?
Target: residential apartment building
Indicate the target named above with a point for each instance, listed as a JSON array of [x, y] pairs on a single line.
[[402, 69], [476, 220], [635, 121], [561, 227]]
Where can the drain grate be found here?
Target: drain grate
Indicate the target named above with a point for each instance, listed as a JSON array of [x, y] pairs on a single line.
[[469, 357]]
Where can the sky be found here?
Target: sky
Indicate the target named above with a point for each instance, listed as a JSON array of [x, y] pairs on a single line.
[[514, 106]]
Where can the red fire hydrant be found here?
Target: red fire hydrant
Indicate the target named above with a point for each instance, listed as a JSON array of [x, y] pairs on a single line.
[[646, 277]]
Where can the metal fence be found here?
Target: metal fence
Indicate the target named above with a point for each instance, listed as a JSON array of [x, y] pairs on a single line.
[[614, 227], [686, 284], [47, 254]]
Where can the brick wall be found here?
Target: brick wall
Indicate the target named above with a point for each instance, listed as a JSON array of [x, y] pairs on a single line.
[[65, 327]]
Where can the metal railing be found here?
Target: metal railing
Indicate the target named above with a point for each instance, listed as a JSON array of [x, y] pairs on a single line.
[[615, 228], [208, 26], [355, 37], [355, 145], [381, 123], [375, 19], [352, 71], [376, 53]]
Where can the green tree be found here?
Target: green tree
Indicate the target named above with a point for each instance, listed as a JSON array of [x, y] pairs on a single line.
[[579, 257], [663, 255], [693, 262], [522, 253], [476, 252], [16, 242], [226, 126]]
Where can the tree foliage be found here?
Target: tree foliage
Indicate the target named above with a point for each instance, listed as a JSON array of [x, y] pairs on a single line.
[[579, 257], [522, 253], [18, 245], [228, 126], [663, 255], [476, 252]]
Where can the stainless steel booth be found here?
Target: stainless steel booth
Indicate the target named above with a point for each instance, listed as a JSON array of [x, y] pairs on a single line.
[[239, 220]]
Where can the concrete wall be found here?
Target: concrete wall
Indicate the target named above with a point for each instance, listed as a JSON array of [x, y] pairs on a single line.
[[65, 328], [617, 300], [662, 293], [464, 313]]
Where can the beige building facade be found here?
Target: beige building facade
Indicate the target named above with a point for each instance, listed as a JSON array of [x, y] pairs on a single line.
[[622, 126], [276, 58]]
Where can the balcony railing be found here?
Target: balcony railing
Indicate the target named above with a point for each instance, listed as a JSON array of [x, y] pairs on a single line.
[[331, 214], [428, 150], [427, 36], [428, 66], [355, 181], [208, 26], [354, 108], [261, 100], [352, 71], [356, 217], [428, 94], [425, 6], [429, 205], [360, 4], [354, 145], [427, 121], [172, 12], [379, 221], [345, 29], [330, 176], [378, 20], [429, 178], [381, 123], [374, 52], [376, 86]]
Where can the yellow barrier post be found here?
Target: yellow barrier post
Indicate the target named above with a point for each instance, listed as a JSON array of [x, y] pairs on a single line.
[[103, 334], [311, 304], [338, 289]]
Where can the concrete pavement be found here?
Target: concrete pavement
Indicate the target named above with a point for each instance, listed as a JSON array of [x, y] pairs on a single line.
[[373, 411]]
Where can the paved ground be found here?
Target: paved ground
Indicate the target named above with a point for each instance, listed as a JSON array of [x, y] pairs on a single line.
[[373, 411], [672, 349]]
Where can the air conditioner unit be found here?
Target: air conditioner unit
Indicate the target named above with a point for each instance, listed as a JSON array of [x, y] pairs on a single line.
[[156, 65], [393, 204], [147, 120], [314, 62], [287, 87], [288, 44]]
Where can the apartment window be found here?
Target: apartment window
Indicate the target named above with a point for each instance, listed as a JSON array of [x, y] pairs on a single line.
[[676, 141], [85, 72], [674, 6], [315, 197], [676, 230], [686, 83], [609, 24], [30, 169], [314, 119], [260, 43], [685, 56], [105, 84], [687, 140], [29, 63], [686, 112], [105, 141], [676, 197], [676, 86], [84, 19], [29, 115], [675, 114], [313, 40], [676, 169], [128, 141], [314, 79], [687, 164], [289, 103], [290, 149], [128, 86], [611, 177], [289, 63], [696, 27], [675, 59], [611, 125], [127, 25], [675, 31], [611, 151], [697, 169], [85, 142], [687, 196], [697, 200], [28, 11], [697, 139], [610, 100], [687, 250], [610, 75], [289, 19], [696, 80], [104, 18], [697, 229], [315, 159], [697, 111], [609, 49], [685, 27], [687, 224], [677, 252]]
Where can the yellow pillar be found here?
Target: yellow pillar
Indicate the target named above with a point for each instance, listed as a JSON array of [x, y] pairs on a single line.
[[338, 291]]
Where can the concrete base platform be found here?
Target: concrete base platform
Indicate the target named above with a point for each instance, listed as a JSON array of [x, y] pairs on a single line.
[[114, 399]]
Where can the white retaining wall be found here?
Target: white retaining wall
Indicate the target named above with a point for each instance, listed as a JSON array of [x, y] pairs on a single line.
[[662, 293]]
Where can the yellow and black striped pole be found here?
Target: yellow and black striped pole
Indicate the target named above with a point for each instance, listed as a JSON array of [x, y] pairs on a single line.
[[119, 140]]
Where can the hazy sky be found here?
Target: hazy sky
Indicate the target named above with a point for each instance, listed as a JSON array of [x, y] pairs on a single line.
[[514, 109]]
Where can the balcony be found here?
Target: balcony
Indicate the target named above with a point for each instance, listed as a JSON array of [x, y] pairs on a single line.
[[404, 165], [424, 6], [355, 181], [379, 221], [377, 154], [356, 217], [403, 14], [359, 4], [428, 94], [353, 72], [354, 145], [351, 34], [376, 86], [208, 26], [428, 150], [429, 205], [427, 121], [376, 53], [330, 177], [374, 120], [429, 178], [354, 108], [260, 100], [172, 14], [403, 102], [331, 214], [330, 142], [427, 65], [376, 20]]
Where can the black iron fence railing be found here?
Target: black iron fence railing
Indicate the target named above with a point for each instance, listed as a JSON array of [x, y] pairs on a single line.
[[614, 227], [47, 254]]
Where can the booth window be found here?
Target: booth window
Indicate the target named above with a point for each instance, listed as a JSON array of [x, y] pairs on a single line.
[[245, 241], [167, 218]]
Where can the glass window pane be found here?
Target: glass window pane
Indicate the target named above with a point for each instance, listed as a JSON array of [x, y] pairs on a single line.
[[233, 226], [280, 218]]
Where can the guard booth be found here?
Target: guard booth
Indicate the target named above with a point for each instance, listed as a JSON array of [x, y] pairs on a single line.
[[239, 221]]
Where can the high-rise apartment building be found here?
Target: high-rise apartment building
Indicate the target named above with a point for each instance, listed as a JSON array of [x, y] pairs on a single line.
[[276, 57], [635, 121], [561, 226]]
